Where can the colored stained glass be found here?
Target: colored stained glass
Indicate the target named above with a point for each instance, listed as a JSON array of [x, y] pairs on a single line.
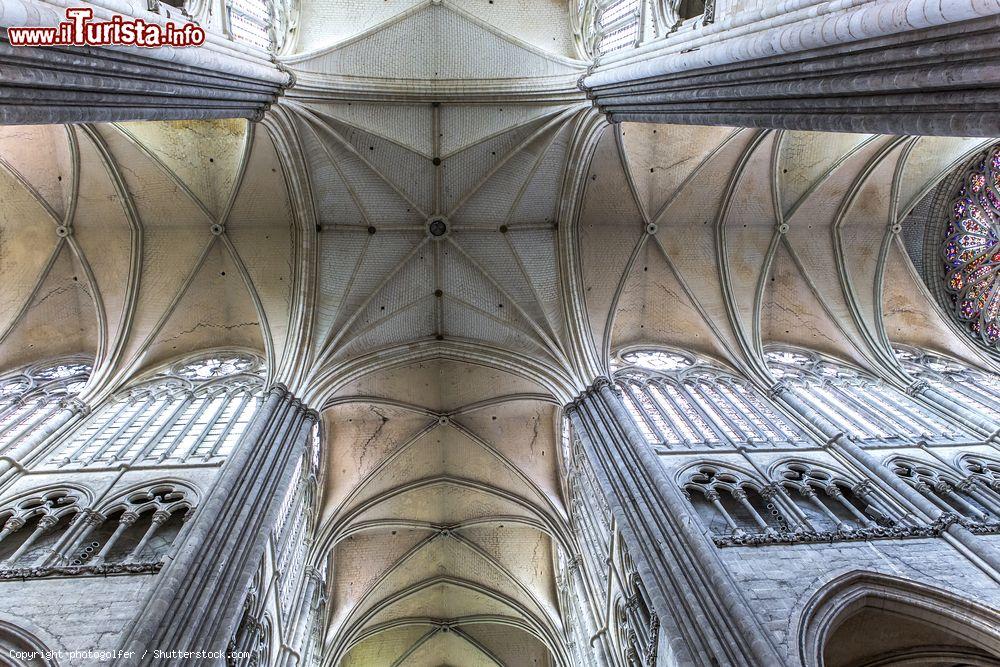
[[971, 250]]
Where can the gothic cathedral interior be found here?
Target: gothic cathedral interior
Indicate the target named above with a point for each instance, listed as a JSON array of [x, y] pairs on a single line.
[[500, 333]]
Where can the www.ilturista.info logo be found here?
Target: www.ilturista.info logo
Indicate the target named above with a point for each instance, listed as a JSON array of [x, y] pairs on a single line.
[[80, 30]]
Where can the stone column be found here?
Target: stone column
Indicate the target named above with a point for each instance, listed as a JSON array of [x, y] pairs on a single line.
[[892, 66], [986, 555], [305, 616], [976, 421], [701, 608], [218, 79], [578, 589], [196, 602]]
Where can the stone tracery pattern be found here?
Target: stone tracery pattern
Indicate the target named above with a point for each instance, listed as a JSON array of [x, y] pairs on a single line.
[[866, 408], [679, 403], [55, 533], [30, 397], [193, 411], [971, 250]]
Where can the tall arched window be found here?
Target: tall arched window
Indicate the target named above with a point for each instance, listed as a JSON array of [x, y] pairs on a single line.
[[863, 407], [194, 411], [978, 390], [250, 22], [31, 397], [617, 25], [680, 403]]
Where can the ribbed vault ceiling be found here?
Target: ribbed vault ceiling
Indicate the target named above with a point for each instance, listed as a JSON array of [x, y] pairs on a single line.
[[440, 362], [760, 237], [141, 242]]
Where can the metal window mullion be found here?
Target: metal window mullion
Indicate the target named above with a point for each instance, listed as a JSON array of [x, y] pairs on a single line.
[[668, 420], [18, 419], [176, 442], [227, 400], [846, 419], [873, 413], [139, 409], [164, 429], [138, 434], [896, 406], [926, 414], [100, 429], [12, 408], [679, 409], [40, 412], [709, 421], [970, 387], [741, 406], [662, 395], [779, 435], [776, 419], [647, 419], [708, 390], [244, 401]]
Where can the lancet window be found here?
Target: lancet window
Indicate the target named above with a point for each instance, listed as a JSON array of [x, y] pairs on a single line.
[[863, 407], [32, 396], [680, 403], [194, 411], [978, 390]]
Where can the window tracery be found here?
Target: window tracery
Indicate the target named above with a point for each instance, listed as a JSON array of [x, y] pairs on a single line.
[[680, 403], [141, 527], [52, 532], [252, 22], [863, 407], [971, 250], [828, 500], [978, 390], [801, 502], [30, 524], [32, 396], [970, 498], [194, 411], [983, 469], [607, 26]]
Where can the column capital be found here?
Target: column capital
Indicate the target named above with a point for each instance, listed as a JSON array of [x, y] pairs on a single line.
[[75, 405], [92, 517], [779, 388], [13, 524], [917, 387], [161, 516], [48, 522]]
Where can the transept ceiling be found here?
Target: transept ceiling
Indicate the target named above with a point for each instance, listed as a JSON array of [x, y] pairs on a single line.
[[440, 247]]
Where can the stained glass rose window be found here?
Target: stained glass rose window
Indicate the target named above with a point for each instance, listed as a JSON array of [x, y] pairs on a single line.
[[971, 249]]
